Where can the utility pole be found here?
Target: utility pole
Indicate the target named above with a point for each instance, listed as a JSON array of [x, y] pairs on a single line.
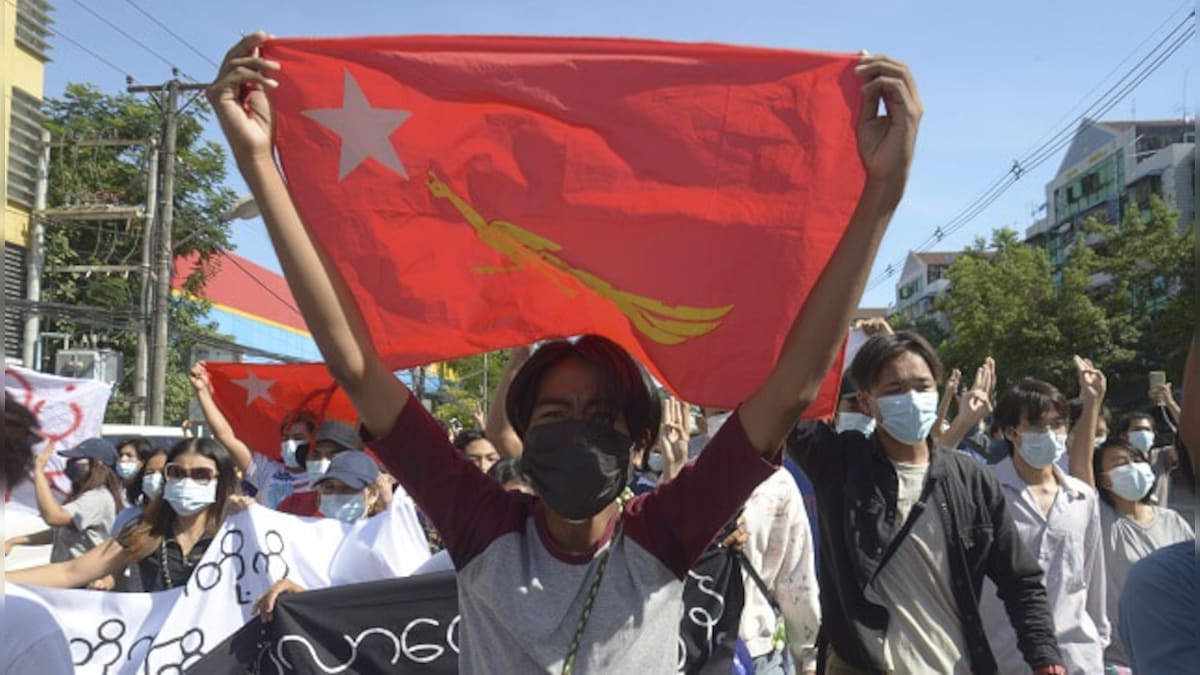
[[159, 343], [142, 362], [37, 258]]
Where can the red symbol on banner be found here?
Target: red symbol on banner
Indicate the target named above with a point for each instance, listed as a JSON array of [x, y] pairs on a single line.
[[36, 409]]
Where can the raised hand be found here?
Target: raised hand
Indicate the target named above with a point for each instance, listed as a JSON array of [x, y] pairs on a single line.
[[198, 377], [238, 95], [977, 401], [871, 327], [43, 459], [480, 418], [1093, 385], [673, 439], [886, 143]]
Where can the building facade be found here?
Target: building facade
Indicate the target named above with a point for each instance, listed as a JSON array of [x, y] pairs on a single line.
[[1110, 166], [922, 281], [25, 48]]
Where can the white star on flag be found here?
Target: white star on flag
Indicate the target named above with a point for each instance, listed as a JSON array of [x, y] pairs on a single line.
[[256, 388], [364, 130]]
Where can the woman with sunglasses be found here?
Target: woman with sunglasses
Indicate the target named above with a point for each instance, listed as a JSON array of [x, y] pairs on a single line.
[[173, 533]]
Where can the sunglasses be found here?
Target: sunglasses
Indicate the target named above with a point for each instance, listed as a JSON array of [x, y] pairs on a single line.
[[200, 474]]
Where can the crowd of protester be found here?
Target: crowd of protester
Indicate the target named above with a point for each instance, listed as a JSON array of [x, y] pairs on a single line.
[[1027, 533]]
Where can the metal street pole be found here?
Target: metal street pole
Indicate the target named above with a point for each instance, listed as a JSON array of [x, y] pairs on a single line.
[[37, 258], [142, 364]]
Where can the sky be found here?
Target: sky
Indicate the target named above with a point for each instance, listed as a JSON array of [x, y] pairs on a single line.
[[996, 78]]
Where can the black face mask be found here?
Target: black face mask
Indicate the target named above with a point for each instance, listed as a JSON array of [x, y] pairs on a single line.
[[577, 467], [78, 471]]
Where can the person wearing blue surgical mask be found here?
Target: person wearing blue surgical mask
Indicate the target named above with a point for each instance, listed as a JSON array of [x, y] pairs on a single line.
[[332, 439], [1140, 430], [1133, 526], [1058, 518], [893, 509], [851, 415], [349, 490], [167, 543]]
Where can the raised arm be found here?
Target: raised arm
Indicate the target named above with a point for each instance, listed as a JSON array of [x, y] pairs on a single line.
[[1189, 422], [951, 390], [885, 144], [498, 430], [52, 512], [215, 419], [1093, 385], [109, 558], [331, 313], [975, 406]]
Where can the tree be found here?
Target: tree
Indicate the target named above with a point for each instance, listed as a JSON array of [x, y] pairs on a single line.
[[1148, 285], [462, 391], [106, 304], [1005, 301]]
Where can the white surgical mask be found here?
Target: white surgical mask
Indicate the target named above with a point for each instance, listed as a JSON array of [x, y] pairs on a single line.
[[152, 484], [346, 508], [287, 451], [188, 497], [1142, 440], [316, 469], [1040, 449], [715, 422], [126, 470], [852, 421], [1099, 443], [909, 417], [1132, 482]]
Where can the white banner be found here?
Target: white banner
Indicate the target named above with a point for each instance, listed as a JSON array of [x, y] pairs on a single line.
[[68, 410], [127, 633]]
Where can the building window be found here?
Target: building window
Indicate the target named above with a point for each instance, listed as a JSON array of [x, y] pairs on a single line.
[[14, 289], [33, 27], [23, 147], [934, 273]]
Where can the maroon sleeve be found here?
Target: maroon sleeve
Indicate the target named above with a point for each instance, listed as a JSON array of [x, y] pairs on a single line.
[[469, 509], [679, 519]]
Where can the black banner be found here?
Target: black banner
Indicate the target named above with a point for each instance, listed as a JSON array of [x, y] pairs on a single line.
[[411, 625]]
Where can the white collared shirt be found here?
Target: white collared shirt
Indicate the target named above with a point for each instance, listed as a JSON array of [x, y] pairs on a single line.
[[1068, 545]]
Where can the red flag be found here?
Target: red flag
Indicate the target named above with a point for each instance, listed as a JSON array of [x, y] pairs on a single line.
[[257, 398], [481, 192]]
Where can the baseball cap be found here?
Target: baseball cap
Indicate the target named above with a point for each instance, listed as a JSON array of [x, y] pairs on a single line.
[[96, 449], [355, 468], [337, 432]]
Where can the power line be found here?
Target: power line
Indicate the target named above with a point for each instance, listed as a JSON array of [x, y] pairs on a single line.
[[89, 52], [260, 282], [173, 34], [131, 38], [1057, 141]]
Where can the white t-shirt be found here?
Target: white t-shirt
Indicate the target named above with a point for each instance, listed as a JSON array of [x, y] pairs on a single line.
[[274, 481], [924, 632], [33, 641]]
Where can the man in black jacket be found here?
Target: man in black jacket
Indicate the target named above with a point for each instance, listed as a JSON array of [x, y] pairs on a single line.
[[908, 533]]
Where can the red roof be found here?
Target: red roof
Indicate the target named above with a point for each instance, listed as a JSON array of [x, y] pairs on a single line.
[[239, 284]]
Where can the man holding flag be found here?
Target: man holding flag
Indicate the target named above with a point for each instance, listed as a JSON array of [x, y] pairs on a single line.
[[575, 578]]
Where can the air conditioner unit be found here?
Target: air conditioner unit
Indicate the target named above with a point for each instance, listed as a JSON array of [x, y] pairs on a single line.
[[89, 364]]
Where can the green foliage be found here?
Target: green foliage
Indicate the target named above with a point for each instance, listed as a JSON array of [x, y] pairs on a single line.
[[89, 175], [462, 392], [1123, 302]]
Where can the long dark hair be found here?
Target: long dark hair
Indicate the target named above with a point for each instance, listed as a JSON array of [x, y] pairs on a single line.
[[158, 520], [133, 491], [1114, 443], [100, 475]]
